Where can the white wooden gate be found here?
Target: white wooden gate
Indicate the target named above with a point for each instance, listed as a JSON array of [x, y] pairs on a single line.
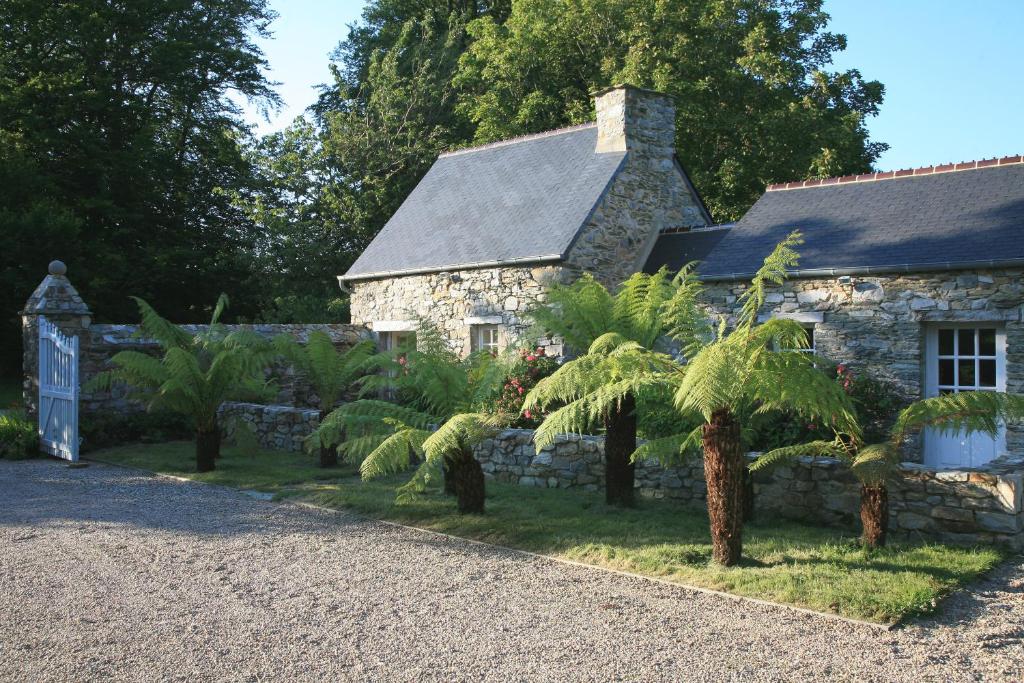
[[58, 391]]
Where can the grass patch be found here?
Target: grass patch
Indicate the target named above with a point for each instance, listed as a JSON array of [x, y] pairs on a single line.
[[819, 568]]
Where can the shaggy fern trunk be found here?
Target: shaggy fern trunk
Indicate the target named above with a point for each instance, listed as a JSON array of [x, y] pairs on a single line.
[[874, 514], [723, 472], [468, 479], [619, 444], [207, 449], [328, 453], [449, 480]]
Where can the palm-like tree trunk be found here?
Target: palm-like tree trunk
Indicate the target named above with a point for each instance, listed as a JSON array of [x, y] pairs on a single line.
[[468, 479], [619, 444], [723, 472], [449, 480], [207, 449], [874, 514], [328, 453]]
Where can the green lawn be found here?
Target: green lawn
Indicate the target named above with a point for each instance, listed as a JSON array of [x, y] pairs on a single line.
[[819, 568]]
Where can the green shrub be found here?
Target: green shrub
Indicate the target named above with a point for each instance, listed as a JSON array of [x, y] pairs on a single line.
[[18, 438], [877, 405], [108, 428]]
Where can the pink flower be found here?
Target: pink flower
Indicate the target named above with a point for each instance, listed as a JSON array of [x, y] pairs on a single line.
[[520, 390], [526, 414], [531, 358]]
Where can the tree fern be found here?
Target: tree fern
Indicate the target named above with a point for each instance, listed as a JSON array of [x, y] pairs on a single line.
[[196, 374]]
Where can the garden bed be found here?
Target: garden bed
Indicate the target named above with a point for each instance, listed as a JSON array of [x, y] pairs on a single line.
[[797, 564]]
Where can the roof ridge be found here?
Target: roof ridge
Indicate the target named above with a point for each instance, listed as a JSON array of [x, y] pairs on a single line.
[[902, 173], [520, 138]]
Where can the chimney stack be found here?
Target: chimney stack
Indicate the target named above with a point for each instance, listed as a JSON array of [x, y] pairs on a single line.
[[631, 119]]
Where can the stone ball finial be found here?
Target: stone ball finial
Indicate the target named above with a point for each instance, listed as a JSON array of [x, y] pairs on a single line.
[[58, 268]]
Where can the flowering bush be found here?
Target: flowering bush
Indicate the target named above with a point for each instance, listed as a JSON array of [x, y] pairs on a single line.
[[876, 402], [533, 365]]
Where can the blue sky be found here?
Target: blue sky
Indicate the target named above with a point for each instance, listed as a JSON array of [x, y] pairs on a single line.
[[953, 71]]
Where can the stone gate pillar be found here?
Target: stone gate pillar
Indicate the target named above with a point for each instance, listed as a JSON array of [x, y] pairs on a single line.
[[56, 299]]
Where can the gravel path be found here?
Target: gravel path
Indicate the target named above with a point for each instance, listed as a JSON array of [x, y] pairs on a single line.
[[108, 574]]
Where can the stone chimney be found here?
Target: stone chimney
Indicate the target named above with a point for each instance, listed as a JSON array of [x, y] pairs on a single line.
[[631, 119]]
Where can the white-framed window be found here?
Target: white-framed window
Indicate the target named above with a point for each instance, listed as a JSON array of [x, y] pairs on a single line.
[[964, 357], [484, 338], [389, 341]]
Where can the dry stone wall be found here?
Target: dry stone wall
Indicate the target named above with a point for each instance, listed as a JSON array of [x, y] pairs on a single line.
[[981, 506], [57, 300], [276, 427]]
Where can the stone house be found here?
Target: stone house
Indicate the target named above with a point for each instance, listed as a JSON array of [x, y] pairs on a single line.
[[476, 241], [913, 276]]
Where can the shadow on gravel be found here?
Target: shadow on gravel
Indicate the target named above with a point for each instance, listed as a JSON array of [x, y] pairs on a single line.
[[38, 493]]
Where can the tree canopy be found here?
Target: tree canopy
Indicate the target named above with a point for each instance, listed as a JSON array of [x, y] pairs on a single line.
[[119, 142]]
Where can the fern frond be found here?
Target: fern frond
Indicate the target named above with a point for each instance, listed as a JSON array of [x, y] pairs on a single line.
[[394, 454], [163, 331], [670, 450], [968, 411], [773, 271], [872, 464], [814, 449]]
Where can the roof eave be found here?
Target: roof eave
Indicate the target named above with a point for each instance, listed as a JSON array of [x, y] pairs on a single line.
[[890, 269], [386, 274]]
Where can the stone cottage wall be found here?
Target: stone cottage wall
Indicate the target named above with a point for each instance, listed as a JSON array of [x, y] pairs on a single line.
[[981, 506], [456, 300], [877, 324], [648, 194]]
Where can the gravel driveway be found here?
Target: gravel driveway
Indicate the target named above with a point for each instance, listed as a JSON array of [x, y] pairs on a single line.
[[109, 574]]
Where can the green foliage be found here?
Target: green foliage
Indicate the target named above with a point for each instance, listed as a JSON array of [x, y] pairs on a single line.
[[330, 372], [873, 463], [626, 337], [448, 407], [755, 101], [105, 429], [119, 149], [197, 373], [19, 438], [531, 367]]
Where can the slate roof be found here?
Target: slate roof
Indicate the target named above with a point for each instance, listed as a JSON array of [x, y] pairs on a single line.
[[917, 222], [520, 200], [675, 249]]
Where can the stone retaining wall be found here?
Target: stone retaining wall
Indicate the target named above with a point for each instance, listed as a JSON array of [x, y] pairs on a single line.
[[950, 506], [57, 300], [282, 428]]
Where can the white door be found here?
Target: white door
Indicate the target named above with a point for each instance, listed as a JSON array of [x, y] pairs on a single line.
[[964, 357]]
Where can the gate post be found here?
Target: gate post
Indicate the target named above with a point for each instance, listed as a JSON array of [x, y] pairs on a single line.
[[58, 300]]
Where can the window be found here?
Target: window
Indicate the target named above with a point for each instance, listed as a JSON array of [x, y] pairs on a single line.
[[966, 359], [484, 338], [389, 341]]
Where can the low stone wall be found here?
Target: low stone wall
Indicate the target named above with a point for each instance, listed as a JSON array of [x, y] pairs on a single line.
[[282, 428], [950, 506]]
